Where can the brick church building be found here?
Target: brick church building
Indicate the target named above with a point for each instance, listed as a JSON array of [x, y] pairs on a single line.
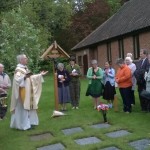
[[126, 31]]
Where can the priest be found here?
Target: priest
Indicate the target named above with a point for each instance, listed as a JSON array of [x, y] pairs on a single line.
[[26, 92]]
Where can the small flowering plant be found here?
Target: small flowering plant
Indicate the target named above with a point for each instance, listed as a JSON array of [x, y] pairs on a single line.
[[103, 108]]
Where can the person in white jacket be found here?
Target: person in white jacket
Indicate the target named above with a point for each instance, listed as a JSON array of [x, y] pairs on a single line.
[[5, 84], [26, 92]]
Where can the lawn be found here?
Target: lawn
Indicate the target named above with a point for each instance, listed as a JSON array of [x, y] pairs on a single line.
[[138, 123]]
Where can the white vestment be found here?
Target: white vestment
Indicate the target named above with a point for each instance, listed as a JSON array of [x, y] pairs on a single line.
[[25, 113]]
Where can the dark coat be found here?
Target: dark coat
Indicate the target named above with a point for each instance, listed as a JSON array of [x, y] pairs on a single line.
[[139, 73], [66, 76]]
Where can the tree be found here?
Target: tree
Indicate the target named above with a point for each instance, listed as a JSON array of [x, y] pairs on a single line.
[[114, 6], [79, 5], [83, 23], [52, 16], [18, 36]]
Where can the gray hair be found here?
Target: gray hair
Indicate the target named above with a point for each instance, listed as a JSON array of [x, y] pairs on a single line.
[[129, 55], [94, 61], [19, 57], [120, 61], [1, 65], [129, 58], [60, 65]]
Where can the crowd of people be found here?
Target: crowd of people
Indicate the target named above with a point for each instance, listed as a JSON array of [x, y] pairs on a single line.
[[27, 87], [102, 82]]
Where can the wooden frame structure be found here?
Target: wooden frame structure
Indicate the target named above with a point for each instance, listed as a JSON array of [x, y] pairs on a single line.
[[52, 53]]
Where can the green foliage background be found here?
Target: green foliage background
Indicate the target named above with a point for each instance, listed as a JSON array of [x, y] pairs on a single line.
[[30, 26]]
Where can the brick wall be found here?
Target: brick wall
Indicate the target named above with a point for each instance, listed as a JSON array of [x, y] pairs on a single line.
[[114, 52], [144, 40], [128, 45], [100, 53]]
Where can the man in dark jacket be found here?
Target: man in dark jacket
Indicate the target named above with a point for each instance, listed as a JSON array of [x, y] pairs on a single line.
[[141, 67]]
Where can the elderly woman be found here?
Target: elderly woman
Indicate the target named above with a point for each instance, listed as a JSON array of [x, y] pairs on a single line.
[[5, 84], [124, 80], [95, 75], [129, 55], [132, 66], [63, 79]]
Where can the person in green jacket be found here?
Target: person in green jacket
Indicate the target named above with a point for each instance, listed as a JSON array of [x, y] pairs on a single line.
[[74, 85], [95, 76]]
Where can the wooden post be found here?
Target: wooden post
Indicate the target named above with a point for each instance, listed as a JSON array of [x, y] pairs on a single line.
[[52, 53], [55, 86]]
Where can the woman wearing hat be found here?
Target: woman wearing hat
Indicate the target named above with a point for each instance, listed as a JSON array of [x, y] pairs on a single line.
[[74, 85]]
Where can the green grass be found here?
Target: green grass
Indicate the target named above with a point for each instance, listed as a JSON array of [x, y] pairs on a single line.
[[137, 123]]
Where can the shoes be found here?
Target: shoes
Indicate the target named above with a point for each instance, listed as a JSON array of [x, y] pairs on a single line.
[[73, 107], [127, 112], [110, 105]]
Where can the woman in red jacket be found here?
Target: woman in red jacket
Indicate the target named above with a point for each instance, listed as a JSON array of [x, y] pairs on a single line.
[[124, 80]]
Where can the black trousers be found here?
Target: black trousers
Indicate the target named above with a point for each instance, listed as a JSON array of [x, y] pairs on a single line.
[[133, 97], [3, 111], [127, 98], [143, 101]]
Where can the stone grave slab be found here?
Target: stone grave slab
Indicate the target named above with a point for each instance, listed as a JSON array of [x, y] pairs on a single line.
[[88, 140], [118, 133], [57, 146], [72, 130], [140, 144], [110, 148], [101, 125], [42, 136]]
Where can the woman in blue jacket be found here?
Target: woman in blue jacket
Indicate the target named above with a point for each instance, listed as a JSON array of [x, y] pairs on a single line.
[[109, 84]]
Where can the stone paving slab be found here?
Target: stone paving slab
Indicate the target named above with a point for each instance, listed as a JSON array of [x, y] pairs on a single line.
[[88, 140], [57, 146], [116, 134], [110, 148], [42, 136], [140, 144], [101, 125], [72, 130]]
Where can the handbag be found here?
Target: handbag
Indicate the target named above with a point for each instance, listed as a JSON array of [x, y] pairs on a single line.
[[145, 94]]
